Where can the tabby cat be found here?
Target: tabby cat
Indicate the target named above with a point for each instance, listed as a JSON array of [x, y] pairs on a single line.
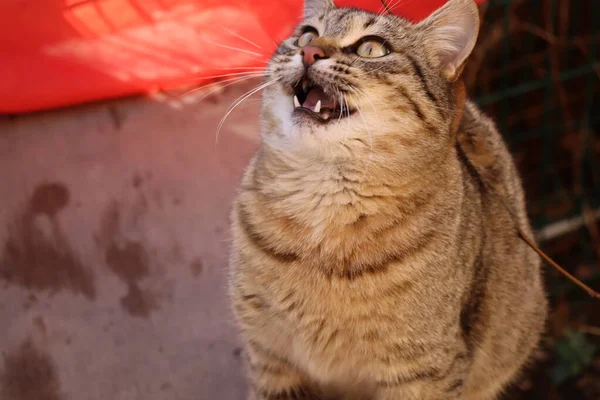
[[370, 258]]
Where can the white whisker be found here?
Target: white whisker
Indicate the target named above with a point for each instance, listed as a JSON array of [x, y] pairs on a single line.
[[243, 38], [390, 6], [372, 106], [236, 48], [340, 98], [341, 106], [247, 73], [203, 87], [240, 100], [232, 81], [364, 123], [360, 92], [383, 8], [400, 4], [242, 68], [347, 115]]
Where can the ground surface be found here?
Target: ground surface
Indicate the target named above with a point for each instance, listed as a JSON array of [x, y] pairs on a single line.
[[113, 251]]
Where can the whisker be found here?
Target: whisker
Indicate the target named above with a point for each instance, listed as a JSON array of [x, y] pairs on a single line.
[[202, 87], [365, 124], [240, 100], [236, 48], [229, 74], [358, 91], [348, 117], [241, 37], [384, 7], [388, 7], [231, 81], [242, 68], [347, 107], [400, 3], [357, 57], [341, 97], [393, 4]]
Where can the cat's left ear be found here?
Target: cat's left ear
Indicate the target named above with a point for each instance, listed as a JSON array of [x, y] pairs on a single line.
[[312, 7], [450, 35]]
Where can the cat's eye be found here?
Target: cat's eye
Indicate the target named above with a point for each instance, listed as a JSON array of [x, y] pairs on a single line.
[[306, 38], [372, 49]]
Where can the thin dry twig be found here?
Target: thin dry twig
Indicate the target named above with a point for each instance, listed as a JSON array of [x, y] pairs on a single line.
[[550, 261], [590, 330], [590, 223]]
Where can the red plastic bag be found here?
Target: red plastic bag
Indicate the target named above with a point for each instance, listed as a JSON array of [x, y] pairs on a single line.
[[62, 52]]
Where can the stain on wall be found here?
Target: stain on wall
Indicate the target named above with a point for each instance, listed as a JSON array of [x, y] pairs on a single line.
[[43, 261], [40, 324], [129, 261], [197, 266], [29, 374], [49, 199], [137, 180], [131, 264]]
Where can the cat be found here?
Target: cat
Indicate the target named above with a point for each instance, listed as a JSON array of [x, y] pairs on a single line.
[[369, 258]]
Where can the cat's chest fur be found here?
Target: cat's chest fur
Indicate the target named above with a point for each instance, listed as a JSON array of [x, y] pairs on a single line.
[[327, 325], [367, 278]]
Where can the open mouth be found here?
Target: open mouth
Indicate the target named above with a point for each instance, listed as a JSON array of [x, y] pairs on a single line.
[[312, 100]]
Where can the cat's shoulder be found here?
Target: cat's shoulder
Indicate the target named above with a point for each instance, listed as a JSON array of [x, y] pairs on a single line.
[[483, 144]]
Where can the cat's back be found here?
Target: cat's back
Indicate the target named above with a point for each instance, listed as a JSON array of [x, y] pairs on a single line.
[[507, 282], [487, 153]]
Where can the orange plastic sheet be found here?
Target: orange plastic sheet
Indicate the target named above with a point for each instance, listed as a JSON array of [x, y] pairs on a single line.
[[55, 53]]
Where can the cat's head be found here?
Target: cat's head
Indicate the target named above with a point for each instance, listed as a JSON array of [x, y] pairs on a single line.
[[349, 76]]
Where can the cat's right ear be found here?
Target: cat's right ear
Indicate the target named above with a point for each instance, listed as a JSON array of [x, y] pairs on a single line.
[[450, 35], [313, 7]]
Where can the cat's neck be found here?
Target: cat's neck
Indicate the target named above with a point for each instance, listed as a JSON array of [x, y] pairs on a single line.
[[338, 192], [345, 217]]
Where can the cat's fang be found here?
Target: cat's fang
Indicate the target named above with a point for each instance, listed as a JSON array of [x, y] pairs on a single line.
[[296, 102], [318, 107]]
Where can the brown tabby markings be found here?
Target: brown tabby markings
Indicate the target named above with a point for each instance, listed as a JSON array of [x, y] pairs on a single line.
[[262, 243], [369, 261]]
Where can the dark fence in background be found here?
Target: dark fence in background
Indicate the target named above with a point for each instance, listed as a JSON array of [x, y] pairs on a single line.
[[536, 71]]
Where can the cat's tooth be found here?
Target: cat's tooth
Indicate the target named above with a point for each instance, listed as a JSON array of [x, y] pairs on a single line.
[[296, 102], [318, 107]]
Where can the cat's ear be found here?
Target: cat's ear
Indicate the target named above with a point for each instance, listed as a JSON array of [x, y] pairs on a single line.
[[450, 35], [312, 7]]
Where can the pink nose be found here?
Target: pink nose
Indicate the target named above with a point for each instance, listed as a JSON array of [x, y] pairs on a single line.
[[311, 54]]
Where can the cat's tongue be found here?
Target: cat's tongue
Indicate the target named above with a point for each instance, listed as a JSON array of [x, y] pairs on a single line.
[[314, 95]]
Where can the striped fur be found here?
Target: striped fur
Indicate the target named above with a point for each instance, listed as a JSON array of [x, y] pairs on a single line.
[[368, 260]]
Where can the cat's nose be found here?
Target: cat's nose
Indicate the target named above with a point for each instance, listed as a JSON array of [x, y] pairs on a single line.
[[311, 54]]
